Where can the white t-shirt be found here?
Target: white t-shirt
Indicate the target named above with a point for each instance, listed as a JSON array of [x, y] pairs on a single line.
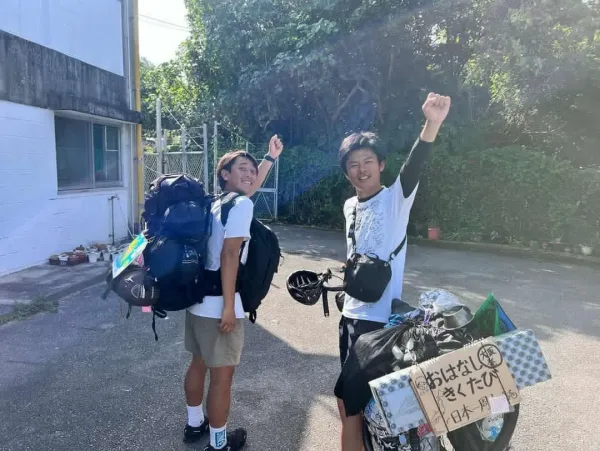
[[381, 223], [238, 226]]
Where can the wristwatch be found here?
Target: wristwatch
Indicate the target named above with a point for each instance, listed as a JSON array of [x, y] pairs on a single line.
[[269, 158]]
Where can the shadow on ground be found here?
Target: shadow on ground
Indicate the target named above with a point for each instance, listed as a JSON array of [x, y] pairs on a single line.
[[88, 375], [545, 296]]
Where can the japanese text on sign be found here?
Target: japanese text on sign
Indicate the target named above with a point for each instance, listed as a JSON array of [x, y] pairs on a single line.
[[458, 385]]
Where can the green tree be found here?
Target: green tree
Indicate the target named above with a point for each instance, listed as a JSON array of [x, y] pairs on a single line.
[[180, 95], [540, 60]]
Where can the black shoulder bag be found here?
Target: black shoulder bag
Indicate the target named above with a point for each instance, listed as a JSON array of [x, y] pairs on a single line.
[[367, 276]]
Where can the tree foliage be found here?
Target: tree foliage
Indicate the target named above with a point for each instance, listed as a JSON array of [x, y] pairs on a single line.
[[524, 76], [540, 60], [180, 96]]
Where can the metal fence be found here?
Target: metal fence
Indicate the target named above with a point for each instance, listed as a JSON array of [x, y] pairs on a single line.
[[191, 163], [266, 198], [200, 165]]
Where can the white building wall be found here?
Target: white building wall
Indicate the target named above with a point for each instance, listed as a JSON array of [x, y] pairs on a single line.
[[35, 220], [88, 30]]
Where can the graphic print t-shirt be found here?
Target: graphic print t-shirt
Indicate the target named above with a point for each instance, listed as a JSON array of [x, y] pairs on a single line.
[[238, 226], [381, 223]]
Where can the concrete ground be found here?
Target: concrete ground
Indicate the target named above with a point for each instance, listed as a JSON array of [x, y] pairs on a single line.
[[48, 282], [87, 378]]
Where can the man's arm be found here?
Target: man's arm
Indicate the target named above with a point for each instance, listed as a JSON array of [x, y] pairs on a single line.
[[435, 109], [230, 262], [410, 173], [237, 229], [275, 149]]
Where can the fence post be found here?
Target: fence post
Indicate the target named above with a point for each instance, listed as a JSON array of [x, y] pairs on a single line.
[[205, 156], [215, 157], [166, 162], [184, 155], [159, 142], [276, 193]]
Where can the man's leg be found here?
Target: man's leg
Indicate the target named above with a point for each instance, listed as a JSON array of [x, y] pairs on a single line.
[[218, 403], [194, 381], [350, 330], [193, 385], [222, 356], [352, 439]]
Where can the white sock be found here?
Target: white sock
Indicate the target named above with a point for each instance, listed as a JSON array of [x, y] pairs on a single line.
[[195, 415], [218, 437]]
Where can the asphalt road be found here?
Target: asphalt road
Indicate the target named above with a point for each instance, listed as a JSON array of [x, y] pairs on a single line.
[[87, 378]]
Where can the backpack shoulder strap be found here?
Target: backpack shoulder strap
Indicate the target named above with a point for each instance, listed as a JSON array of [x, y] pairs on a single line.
[[227, 203]]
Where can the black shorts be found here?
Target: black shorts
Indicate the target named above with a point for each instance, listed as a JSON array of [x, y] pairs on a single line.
[[350, 330]]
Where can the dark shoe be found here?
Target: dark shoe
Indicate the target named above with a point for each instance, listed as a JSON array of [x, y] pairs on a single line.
[[236, 440], [193, 434]]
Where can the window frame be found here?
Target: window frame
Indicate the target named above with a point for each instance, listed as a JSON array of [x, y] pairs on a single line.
[[95, 184]]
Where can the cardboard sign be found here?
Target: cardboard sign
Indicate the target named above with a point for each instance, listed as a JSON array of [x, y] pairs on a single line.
[[455, 390], [133, 251]]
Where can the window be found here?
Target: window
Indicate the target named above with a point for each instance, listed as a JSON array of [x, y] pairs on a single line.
[[88, 154]]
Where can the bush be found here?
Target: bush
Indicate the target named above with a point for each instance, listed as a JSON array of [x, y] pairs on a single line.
[[322, 204], [312, 190], [505, 195], [509, 194]]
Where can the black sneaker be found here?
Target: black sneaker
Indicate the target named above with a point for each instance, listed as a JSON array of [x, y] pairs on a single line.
[[193, 434], [236, 440]]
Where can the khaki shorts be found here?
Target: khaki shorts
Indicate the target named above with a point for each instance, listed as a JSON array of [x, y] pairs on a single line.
[[203, 338]]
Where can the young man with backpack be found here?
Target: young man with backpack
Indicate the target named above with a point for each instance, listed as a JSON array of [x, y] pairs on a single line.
[[214, 328], [376, 223]]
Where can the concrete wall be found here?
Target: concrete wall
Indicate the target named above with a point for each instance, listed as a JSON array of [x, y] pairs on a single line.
[[88, 30], [38, 76], [36, 221]]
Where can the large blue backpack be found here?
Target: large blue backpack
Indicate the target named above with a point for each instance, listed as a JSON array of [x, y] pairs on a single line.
[[178, 225]]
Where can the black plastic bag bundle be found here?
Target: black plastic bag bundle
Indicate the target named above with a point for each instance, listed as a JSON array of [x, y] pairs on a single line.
[[371, 357]]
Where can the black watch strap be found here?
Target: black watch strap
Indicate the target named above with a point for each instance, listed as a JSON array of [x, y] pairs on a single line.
[[269, 158]]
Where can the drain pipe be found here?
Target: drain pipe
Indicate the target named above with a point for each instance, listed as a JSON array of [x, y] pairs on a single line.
[[112, 213], [139, 151]]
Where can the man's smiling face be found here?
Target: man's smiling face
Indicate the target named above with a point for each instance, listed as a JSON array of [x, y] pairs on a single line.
[[363, 170], [241, 176]]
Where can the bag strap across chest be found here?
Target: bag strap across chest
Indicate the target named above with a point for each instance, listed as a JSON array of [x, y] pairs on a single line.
[[352, 235]]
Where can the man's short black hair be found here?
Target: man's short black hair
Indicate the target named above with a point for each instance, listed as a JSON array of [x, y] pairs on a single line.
[[360, 140], [228, 160]]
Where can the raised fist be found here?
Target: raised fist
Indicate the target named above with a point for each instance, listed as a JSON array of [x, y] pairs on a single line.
[[436, 107], [275, 147]]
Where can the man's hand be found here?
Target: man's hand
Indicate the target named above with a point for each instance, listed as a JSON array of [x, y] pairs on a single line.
[[435, 109], [228, 320], [275, 147]]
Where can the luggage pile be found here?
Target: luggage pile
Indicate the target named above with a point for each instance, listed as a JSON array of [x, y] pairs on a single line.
[[440, 370]]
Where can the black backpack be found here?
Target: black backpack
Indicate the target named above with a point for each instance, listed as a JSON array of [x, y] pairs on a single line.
[[264, 254]]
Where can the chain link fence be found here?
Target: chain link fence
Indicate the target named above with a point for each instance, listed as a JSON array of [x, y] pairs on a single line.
[[183, 153], [190, 163], [151, 171]]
